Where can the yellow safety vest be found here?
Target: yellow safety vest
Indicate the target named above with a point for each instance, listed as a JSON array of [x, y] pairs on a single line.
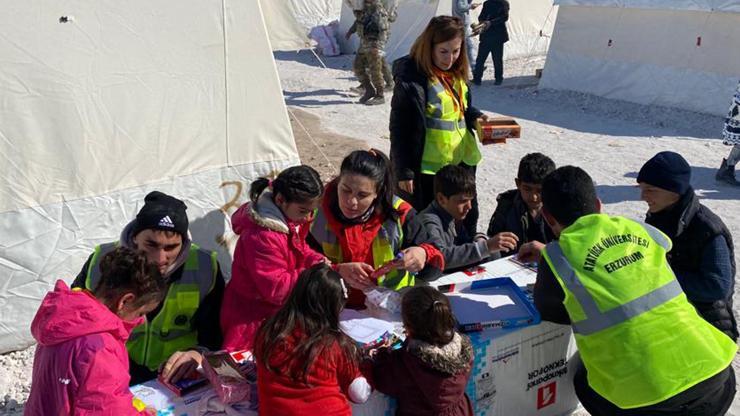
[[384, 247], [448, 140], [151, 343], [640, 339]]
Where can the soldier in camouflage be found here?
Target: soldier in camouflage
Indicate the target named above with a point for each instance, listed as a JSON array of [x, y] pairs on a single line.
[[372, 25]]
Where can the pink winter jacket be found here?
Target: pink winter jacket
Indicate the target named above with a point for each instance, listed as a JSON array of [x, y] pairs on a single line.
[[270, 254], [81, 363]]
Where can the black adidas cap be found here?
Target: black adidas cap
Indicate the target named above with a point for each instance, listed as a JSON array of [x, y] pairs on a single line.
[[162, 212]]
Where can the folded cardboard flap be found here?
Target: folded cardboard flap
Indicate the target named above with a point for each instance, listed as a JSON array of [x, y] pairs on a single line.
[[497, 130]]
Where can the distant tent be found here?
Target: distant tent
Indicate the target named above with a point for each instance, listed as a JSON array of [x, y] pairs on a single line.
[[105, 101], [530, 22], [289, 21], [676, 53]]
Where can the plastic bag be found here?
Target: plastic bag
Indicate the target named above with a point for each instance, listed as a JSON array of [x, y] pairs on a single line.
[[232, 381], [326, 39]]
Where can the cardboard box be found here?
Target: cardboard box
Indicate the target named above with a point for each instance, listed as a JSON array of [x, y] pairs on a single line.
[[497, 130]]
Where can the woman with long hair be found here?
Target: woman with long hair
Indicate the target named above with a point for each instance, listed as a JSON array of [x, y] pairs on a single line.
[[432, 117]]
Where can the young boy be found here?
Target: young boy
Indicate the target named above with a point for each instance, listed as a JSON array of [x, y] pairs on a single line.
[[440, 224], [518, 210], [81, 366]]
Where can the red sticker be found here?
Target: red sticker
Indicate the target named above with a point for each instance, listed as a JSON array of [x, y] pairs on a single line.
[[546, 395]]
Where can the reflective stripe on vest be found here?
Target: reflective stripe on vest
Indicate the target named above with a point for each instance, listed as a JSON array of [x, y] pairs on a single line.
[[447, 138], [384, 247], [171, 330], [640, 339]]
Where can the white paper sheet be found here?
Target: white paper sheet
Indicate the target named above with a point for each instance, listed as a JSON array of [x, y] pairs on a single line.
[[363, 328]]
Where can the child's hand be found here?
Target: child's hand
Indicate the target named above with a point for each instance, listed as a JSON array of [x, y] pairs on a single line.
[[414, 259], [505, 241], [180, 365], [356, 274], [530, 252]]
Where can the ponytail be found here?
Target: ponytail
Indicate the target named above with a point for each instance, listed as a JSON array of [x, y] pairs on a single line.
[[296, 184], [375, 165], [427, 314]]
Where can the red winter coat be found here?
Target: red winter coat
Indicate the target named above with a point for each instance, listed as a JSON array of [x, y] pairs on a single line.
[[269, 256], [81, 363], [329, 379]]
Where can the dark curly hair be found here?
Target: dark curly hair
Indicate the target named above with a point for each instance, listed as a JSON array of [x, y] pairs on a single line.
[[124, 270], [296, 184]]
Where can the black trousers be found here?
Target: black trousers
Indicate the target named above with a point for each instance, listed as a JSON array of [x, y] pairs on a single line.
[[424, 195], [496, 49], [711, 397]]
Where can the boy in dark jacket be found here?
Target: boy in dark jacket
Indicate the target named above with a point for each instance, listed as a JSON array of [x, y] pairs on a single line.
[[518, 210], [440, 224]]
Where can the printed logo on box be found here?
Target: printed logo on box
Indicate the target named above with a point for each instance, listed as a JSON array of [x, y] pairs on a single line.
[[546, 395]]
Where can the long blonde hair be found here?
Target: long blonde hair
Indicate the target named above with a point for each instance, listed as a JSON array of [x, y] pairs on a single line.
[[441, 29]]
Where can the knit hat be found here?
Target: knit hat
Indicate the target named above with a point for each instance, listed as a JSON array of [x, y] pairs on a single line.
[[162, 212], [667, 170]]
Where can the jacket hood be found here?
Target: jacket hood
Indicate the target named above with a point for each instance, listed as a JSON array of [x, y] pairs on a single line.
[[405, 69], [449, 359], [127, 240], [263, 213], [65, 314]]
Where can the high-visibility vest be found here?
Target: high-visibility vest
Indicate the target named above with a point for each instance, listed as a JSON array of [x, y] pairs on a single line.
[[171, 330], [384, 247], [640, 339], [448, 140]]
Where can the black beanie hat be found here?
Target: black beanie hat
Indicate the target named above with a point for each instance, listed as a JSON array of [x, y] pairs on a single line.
[[667, 170], [162, 212]]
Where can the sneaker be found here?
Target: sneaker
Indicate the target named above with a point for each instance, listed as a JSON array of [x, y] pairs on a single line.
[[358, 90], [726, 174]]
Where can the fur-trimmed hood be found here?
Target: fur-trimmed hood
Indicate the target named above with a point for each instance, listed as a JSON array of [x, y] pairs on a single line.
[[263, 213], [449, 359]]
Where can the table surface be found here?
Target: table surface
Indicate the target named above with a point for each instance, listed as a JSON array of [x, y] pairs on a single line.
[[154, 394]]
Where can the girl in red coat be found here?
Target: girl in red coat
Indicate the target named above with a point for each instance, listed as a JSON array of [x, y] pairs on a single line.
[[429, 374], [271, 251], [81, 365], [305, 364]]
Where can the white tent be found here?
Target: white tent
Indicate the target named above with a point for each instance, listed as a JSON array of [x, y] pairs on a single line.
[[676, 53], [289, 21], [105, 101], [530, 23]]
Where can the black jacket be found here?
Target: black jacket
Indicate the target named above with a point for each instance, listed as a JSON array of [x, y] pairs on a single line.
[[435, 226], [206, 319], [497, 13], [696, 230], [512, 215], [407, 122]]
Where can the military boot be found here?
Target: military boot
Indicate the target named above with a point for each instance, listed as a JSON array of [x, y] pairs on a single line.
[[369, 92]]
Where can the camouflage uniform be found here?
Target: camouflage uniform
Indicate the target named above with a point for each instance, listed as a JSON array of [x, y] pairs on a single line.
[[372, 25]]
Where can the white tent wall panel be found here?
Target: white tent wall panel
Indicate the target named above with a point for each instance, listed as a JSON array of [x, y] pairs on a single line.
[[655, 56], [732, 6], [121, 100], [526, 19]]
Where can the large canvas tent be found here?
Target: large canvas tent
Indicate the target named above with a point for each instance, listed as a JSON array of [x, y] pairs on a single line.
[[530, 23], [105, 101], [289, 21], [676, 53]]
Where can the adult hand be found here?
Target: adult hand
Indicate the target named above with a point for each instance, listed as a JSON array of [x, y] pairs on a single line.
[[505, 241], [414, 259], [473, 6], [483, 117], [356, 274], [180, 364], [530, 252], [407, 186]]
